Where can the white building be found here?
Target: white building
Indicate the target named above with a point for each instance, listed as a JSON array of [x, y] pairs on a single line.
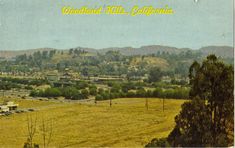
[[4, 108], [9, 106]]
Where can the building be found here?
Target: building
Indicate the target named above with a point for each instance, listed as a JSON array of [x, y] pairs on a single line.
[[9, 106], [12, 106], [66, 77], [166, 79], [4, 108], [52, 77]]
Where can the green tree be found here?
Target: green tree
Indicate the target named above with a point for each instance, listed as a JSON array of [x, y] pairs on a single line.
[[93, 90], [213, 82], [44, 54], [71, 51], [98, 97], [34, 93], [84, 94], [208, 119], [155, 74], [158, 143], [115, 88], [192, 126], [52, 92], [141, 92], [70, 93]]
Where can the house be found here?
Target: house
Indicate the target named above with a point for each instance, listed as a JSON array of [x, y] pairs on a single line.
[[107, 78], [4, 108], [52, 77], [166, 79], [66, 77], [9, 106]]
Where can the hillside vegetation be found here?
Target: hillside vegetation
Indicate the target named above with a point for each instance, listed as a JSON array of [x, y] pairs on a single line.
[[224, 51], [150, 62], [173, 62]]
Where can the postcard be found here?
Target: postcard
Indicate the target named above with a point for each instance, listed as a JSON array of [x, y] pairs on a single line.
[[116, 73]]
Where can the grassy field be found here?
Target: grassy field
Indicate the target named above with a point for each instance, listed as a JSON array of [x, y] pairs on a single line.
[[126, 123]]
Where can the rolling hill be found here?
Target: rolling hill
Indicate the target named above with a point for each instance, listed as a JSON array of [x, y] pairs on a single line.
[[13, 53], [223, 51]]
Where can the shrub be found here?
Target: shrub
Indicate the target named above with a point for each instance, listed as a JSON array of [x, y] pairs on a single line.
[[141, 92], [130, 94], [162, 142], [84, 94], [92, 90], [98, 97], [52, 92]]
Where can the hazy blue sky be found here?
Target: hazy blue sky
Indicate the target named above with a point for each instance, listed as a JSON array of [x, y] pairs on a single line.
[[27, 24]]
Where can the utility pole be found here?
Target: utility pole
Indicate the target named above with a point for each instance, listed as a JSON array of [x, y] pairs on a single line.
[[110, 102], [3, 93], [163, 104], [146, 103]]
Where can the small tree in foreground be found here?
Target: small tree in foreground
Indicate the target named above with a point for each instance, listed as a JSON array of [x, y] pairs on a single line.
[[158, 143], [45, 130], [31, 129]]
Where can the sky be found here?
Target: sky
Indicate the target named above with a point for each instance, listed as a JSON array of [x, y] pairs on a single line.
[[27, 24]]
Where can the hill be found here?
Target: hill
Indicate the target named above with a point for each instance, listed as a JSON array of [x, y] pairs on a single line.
[[144, 50], [223, 51], [148, 62], [13, 53]]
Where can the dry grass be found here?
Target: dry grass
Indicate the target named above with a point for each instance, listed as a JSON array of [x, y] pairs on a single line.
[[151, 61], [126, 123]]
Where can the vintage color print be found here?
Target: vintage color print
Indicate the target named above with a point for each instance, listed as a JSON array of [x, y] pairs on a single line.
[[116, 73]]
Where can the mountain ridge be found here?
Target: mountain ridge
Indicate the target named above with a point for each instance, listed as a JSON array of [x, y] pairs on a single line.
[[223, 51]]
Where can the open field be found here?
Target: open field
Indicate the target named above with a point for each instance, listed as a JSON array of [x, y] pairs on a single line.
[[126, 123]]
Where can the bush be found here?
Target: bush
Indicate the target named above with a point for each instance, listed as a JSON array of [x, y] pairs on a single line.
[[34, 93], [70, 93], [115, 88], [8, 85], [52, 92], [105, 95], [181, 82], [157, 92], [92, 90], [141, 92], [127, 86], [28, 87], [130, 94], [81, 85], [100, 90], [178, 93], [84, 94], [162, 142], [98, 97]]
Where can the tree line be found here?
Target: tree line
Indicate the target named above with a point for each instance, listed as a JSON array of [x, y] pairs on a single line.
[[100, 94], [7, 83], [67, 92]]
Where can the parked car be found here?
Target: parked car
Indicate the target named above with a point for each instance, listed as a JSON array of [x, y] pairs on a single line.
[[30, 109], [7, 113]]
